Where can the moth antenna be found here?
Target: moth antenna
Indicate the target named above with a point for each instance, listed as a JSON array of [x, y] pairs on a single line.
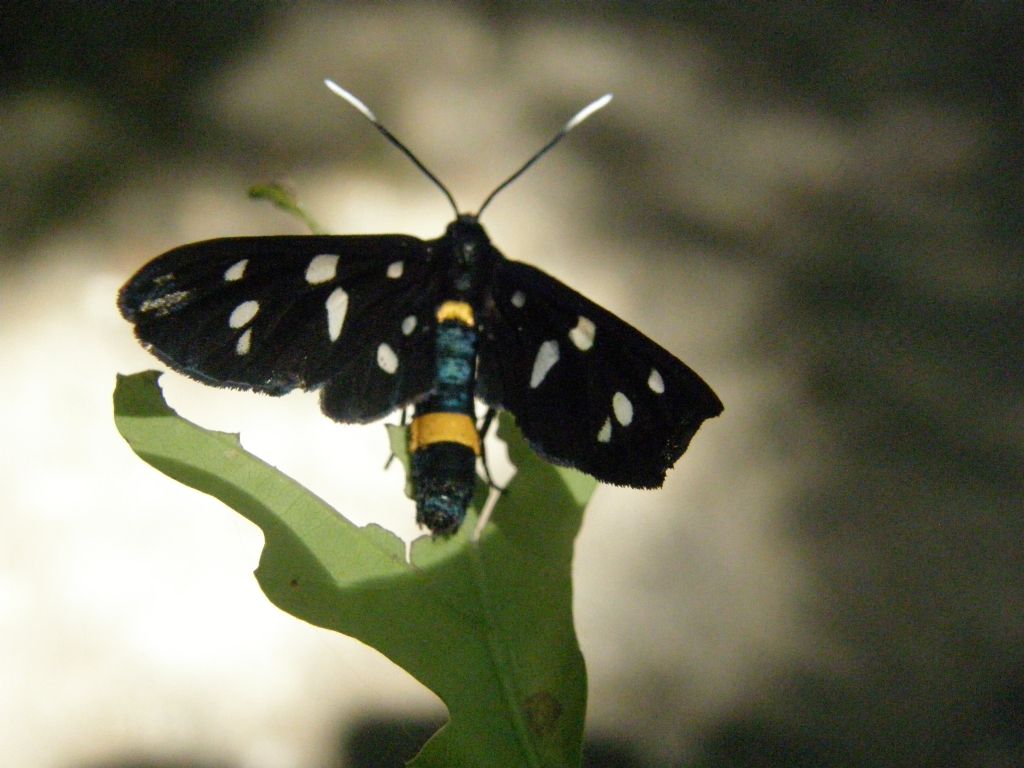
[[368, 114], [572, 122]]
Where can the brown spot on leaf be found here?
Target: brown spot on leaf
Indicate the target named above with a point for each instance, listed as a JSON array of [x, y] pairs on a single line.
[[542, 712]]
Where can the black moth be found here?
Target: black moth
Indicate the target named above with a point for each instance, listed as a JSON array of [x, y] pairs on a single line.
[[384, 322]]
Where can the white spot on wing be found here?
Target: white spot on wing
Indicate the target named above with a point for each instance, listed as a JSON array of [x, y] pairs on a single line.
[[387, 359], [547, 356], [243, 314], [583, 334], [409, 325], [322, 268], [655, 382], [244, 342], [337, 307], [518, 299], [605, 433], [395, 269], [622, 408], [236, 271], [164, 304]]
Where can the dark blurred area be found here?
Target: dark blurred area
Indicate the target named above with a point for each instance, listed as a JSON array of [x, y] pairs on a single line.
[[139, 65], [133, 70], [892, 296]]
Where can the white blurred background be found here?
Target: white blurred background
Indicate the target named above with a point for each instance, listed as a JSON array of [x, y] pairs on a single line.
[[816, 208]]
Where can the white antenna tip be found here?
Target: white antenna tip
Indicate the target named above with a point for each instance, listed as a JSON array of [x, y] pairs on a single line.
[[351, 99], [587, 111]]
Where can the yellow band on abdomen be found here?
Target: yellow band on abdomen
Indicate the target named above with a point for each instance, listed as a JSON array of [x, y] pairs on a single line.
[[432, 428], [456, 310]]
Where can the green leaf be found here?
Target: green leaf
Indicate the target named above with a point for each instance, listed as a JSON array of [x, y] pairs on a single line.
[[281, 197], [486, 625]]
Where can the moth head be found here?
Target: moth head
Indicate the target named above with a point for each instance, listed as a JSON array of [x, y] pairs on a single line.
[[468, 239]]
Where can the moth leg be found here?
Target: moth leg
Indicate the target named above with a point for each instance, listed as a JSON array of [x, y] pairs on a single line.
[[485, 426], [401, 423]]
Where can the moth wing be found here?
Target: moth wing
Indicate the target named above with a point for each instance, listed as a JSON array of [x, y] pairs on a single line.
[[587, 389], [273, 314]]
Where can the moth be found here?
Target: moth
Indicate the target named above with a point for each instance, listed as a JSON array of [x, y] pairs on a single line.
[[382, 323]]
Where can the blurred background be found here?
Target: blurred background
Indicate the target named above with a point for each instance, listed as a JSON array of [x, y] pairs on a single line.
[[816, 206]]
